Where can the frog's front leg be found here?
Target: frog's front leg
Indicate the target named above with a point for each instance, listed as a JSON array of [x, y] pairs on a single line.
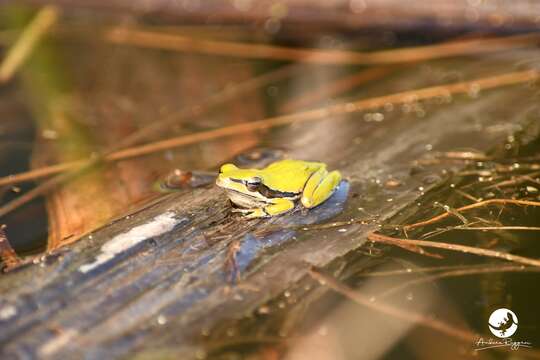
[[320, 186], [252, 213], [277, 207]]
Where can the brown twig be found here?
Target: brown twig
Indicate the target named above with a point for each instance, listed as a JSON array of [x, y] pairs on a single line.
[[7, 254], [40, 173], [375, 237], [422, 270], [463, 155], [416, 318], [501, 169], [498, 228], [467, 196], [456, 273], [451, 211], [439, 231], [174, 42], [418, 250], [516, 180], [470, 207], [34, 31]]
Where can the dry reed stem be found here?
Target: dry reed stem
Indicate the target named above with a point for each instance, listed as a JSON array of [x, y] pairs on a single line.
[[33, 32], [337, 86], [217, 99], [159, 40], [456, 273], [470, 207], [40, 172], [454, 247], [45, 187], [516, 180]]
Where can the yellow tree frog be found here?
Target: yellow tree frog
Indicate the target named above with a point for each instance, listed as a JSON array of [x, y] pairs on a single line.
[[275, 189]]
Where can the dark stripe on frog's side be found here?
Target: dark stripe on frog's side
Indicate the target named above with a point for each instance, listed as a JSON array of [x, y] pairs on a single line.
[[269, 193]]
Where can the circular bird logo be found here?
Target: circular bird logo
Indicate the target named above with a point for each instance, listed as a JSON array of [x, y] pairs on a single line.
[[503, 323]]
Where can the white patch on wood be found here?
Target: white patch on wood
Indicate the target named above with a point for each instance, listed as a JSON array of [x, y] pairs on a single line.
[[120, 243], [7, 312]]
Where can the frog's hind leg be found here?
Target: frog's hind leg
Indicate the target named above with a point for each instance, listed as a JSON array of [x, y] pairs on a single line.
[[320, 186], [279, 206]]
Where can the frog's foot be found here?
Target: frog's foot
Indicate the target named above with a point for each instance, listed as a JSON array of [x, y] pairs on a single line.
[[320, 186], [279, 206], [251, 213]]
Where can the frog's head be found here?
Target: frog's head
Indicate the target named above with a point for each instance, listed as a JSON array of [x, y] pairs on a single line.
[[244, 181]]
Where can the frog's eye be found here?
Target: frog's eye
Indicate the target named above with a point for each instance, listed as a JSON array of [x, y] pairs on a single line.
[[253, 184]]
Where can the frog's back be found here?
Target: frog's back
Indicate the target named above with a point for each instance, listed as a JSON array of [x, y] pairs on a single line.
[[289, 165], [289, 175]]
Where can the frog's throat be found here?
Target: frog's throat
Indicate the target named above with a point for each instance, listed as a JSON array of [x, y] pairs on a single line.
[[245, 200]]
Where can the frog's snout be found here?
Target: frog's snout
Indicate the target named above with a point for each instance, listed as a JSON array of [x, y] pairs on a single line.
[[220, 181], [223, 181]]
